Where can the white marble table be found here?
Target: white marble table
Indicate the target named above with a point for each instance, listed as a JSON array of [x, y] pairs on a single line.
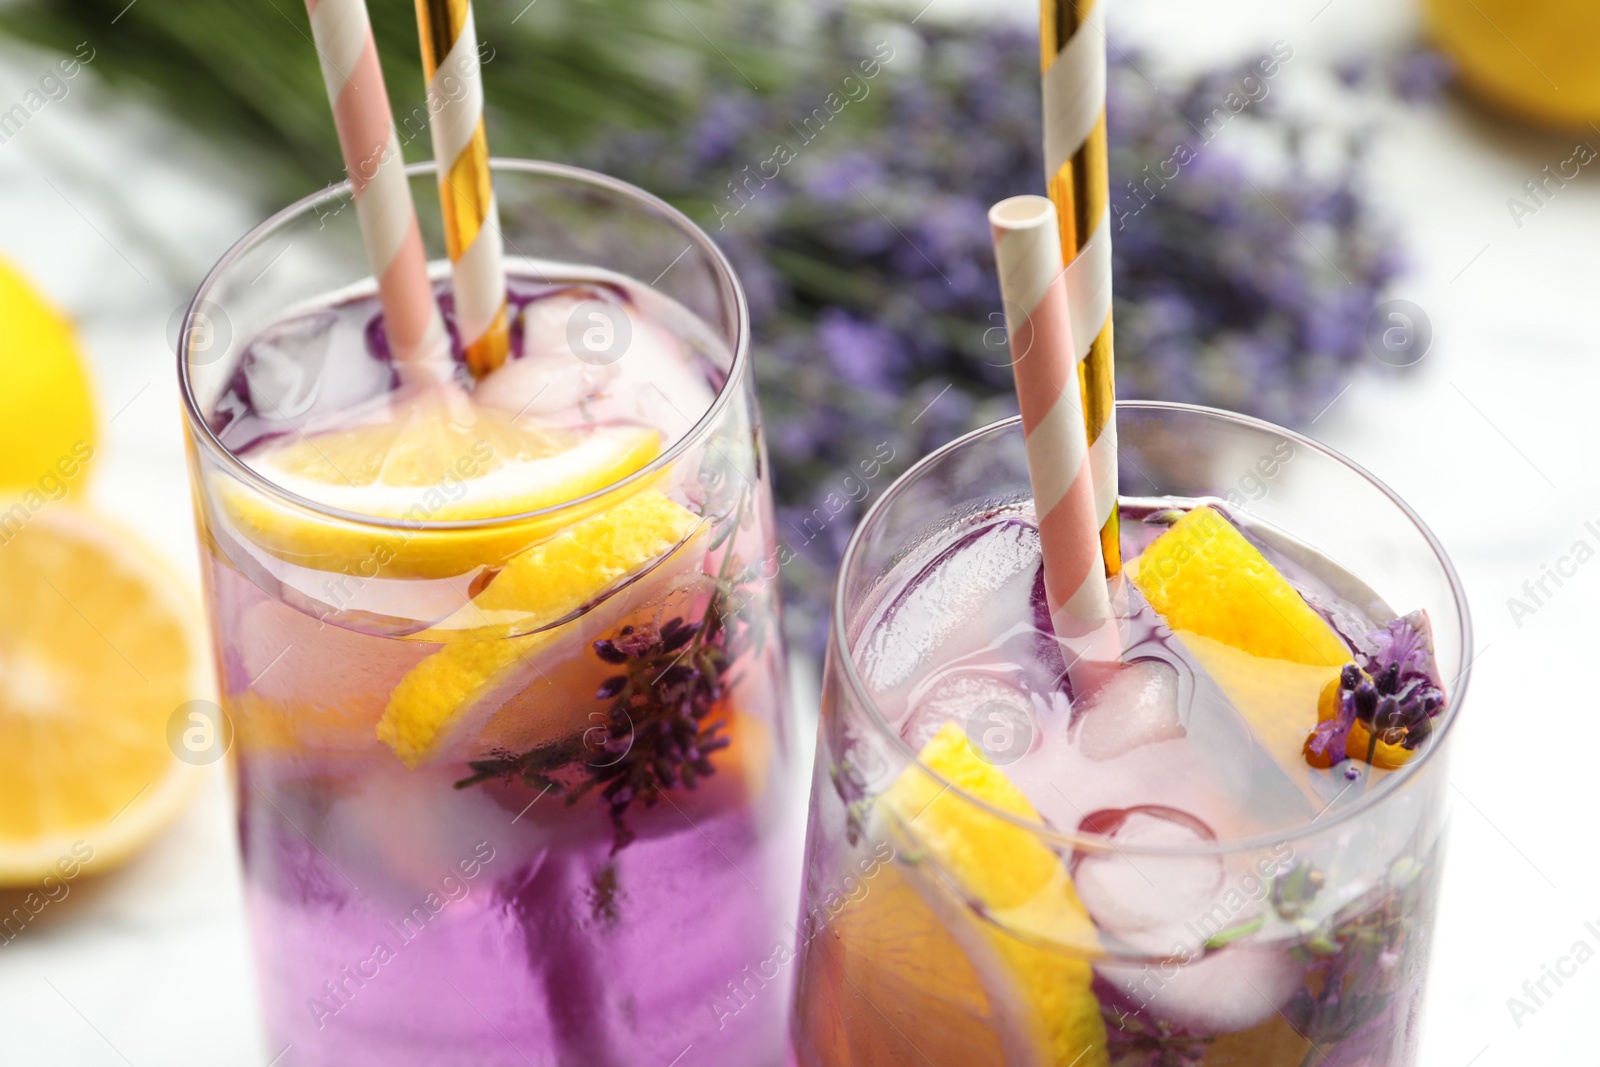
[[1488, 439]]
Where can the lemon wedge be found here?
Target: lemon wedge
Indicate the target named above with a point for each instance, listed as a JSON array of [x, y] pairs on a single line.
[[1203, 576], [939, 985], [450, 695], [887, 982], [1277, 698], [1020, 883], [99, 650], [431, 457]]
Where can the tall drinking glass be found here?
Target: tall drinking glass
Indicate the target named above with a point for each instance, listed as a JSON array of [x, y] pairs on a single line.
[[1163, 871], [502, 660]]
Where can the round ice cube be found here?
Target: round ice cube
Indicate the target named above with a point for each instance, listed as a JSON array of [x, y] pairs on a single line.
[[997, 715], [1142, 898], [1176, 905], [1136, 706], [549, 378]]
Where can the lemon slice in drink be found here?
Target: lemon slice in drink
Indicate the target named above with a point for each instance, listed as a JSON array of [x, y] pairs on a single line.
[[449, 697], [1278, 698], [885, 982], [98, 650], [942, 984], [431, 457], [1203, 576], [1250, 629]]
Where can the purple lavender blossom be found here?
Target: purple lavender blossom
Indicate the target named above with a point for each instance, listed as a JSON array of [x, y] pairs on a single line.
[[870, 272], [1394, 690]]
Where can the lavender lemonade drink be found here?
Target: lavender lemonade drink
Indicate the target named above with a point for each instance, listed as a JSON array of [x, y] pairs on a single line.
[[511, 737], [1227, 853]]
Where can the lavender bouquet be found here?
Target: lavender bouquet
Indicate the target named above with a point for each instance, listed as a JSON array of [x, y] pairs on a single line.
[[846, 166], [855, 208]]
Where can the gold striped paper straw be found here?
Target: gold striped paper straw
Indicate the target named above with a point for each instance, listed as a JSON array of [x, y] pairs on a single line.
[[466, 193], [1073, 53]]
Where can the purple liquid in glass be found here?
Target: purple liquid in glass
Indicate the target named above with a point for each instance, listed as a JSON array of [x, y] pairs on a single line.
[[453, 914]]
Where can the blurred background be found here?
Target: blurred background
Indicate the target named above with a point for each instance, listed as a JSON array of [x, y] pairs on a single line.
[[1386, 243]]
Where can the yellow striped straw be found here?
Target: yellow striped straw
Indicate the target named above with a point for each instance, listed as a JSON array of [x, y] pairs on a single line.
[[466, 193], [1073, 53]]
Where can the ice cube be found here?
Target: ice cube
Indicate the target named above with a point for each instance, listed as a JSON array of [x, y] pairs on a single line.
[[1225, 992], [336, 680], [402, 833], [976, 587], [1143, 898], [548, 379], [1175, 905], [608, 356], [663, 384], [1137, 705], [997, 715], [284, 367]]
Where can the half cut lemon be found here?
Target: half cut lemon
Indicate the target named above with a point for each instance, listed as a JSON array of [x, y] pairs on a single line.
[[99, 651]]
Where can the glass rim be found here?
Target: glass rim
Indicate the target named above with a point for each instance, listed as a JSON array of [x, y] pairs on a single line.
[[727, 279], [1065, 840]]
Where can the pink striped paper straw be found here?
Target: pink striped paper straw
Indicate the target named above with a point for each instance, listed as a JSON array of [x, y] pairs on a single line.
[[1033, 286], [372, 158]]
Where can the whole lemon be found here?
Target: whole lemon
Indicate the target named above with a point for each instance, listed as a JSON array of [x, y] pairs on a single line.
[[1535, 59], [47, 424]]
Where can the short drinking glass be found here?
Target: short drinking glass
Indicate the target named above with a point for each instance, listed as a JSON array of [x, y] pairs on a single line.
[[1226, 854]]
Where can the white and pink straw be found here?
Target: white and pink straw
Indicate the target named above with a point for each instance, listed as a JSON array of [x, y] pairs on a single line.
[[384, 207], [1033, 286]]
